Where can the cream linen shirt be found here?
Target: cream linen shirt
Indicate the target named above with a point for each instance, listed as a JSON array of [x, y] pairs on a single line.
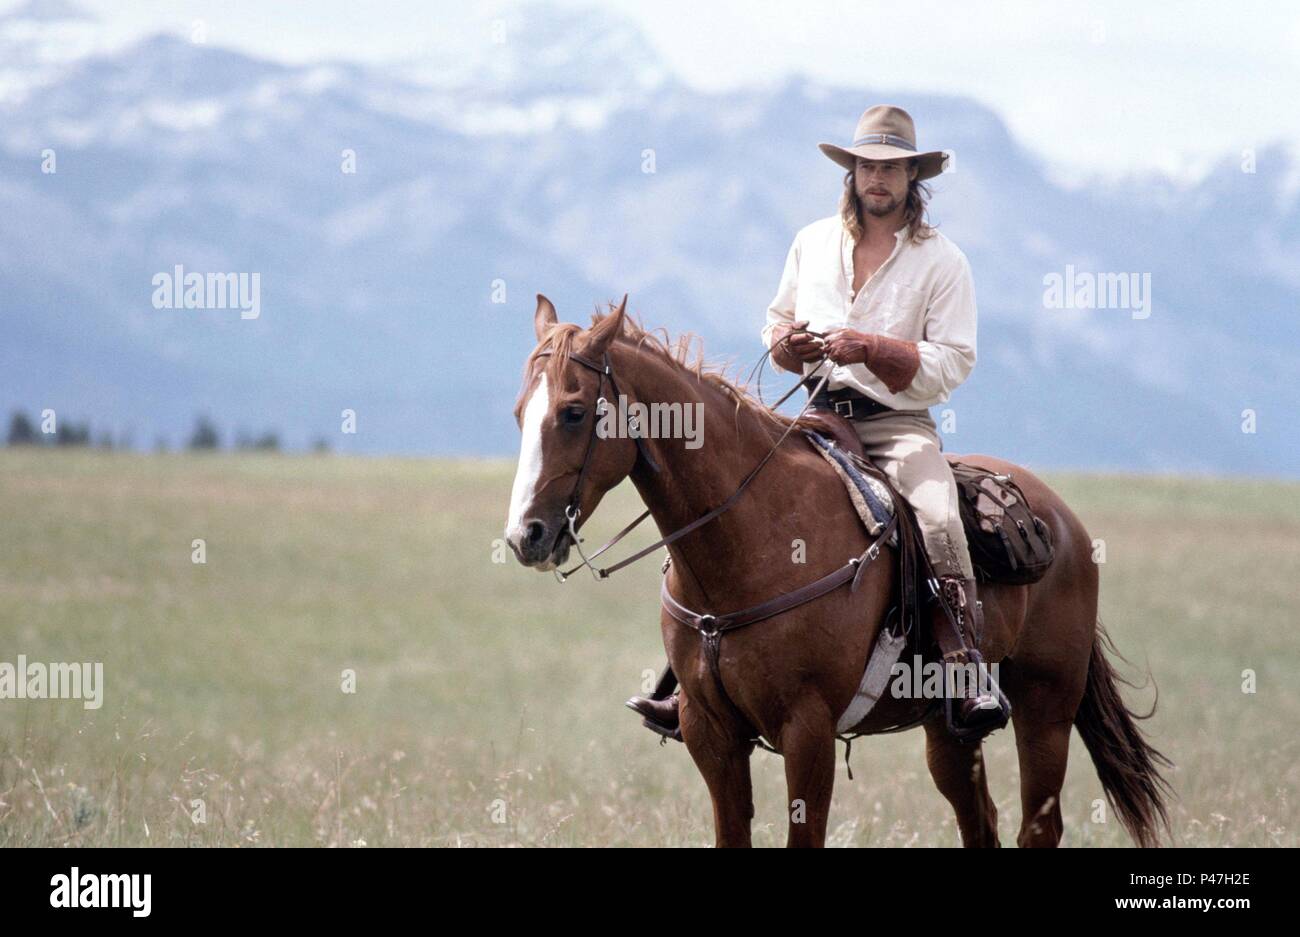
[[923, 293]]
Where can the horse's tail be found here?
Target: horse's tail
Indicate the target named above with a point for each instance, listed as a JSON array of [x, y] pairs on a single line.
[[1127, 764]]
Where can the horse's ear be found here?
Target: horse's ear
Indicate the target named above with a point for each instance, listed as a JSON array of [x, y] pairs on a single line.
[[606, 330], [545, 316]]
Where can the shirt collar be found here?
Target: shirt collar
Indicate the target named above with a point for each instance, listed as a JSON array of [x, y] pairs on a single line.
[[846, 252], [898, 235]]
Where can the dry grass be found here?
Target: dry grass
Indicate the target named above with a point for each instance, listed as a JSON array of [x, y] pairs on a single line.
[[487, 693]]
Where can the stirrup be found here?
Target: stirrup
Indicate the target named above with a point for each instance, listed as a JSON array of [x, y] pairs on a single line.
[[667, 733], [977, 733]]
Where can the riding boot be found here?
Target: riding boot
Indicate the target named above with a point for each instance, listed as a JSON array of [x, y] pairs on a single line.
[[659, 709], [976, 705]]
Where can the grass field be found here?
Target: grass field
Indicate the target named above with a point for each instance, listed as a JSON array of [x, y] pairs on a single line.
[[487, 709]]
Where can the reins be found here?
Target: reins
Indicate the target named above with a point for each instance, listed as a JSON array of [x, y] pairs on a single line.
[[573, 510]]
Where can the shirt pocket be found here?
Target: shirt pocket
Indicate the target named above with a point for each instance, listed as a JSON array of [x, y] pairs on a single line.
[[898, 310]]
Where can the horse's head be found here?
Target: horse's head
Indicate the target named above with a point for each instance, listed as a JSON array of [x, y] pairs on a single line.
[[562, 470]]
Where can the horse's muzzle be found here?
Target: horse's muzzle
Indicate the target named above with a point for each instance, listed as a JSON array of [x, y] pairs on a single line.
[[535, 545]]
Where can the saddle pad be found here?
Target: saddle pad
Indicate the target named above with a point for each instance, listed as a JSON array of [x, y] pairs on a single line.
[[871, 499], [875, 505]]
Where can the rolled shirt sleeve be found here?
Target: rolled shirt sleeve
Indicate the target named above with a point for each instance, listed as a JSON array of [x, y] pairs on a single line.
[[947, 349], [782, 308]]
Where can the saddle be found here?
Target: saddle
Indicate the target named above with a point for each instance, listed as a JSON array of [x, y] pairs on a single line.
[[990, 504], [1008, 543]]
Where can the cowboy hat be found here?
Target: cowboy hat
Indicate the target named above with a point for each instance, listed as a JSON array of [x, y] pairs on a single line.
[[886, 132]]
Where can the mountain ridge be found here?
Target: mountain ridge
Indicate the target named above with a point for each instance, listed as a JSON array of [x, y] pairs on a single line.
[[170, 152]]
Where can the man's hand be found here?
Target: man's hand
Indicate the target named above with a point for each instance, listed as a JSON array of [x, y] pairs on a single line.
[[845, 346], [893, 360], [791, 347]]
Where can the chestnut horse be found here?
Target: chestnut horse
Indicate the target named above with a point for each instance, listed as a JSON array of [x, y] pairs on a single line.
[[789, 678]]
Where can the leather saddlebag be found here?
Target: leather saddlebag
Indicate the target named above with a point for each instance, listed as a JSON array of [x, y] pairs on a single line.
[[1008, 543]]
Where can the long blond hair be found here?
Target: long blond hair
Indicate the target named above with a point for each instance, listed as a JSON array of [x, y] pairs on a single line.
[[915, 214]]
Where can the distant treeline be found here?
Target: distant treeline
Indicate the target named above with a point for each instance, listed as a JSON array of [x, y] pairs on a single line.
[[23, 431]]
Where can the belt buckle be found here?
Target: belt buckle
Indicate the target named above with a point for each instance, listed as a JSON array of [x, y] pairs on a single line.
[[847, 412]]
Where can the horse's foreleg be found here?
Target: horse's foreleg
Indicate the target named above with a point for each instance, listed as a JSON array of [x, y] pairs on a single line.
[[724, 763], [958, 772], [808, 746]]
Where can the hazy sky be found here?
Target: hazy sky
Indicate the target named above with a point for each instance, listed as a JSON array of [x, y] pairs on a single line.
[[1092, 86]]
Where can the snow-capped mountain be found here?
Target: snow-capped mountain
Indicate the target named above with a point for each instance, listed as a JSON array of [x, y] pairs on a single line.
[[553, 152]]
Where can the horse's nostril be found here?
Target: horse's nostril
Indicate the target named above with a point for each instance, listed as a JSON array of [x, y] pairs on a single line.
[[535, 532]]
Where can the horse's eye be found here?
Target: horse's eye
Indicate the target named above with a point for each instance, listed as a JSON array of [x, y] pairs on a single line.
[[572, 416]]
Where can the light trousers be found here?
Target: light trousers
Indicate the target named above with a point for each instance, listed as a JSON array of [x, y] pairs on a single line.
[[906, 446]]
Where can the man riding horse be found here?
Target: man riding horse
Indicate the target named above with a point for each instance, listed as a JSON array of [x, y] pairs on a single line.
[[895, 300]]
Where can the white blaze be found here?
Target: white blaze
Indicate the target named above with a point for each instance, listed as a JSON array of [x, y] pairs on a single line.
[[530, 458]]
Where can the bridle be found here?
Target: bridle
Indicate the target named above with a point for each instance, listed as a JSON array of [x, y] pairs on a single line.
[[573, 509]]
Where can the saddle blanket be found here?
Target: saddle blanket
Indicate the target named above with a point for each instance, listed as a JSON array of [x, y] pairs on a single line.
[[874, 504], [872, 500]]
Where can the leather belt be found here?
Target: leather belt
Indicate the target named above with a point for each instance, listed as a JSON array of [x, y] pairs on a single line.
[[849, 403]]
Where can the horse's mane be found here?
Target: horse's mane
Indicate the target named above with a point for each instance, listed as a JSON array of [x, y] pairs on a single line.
[[685, 353]]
